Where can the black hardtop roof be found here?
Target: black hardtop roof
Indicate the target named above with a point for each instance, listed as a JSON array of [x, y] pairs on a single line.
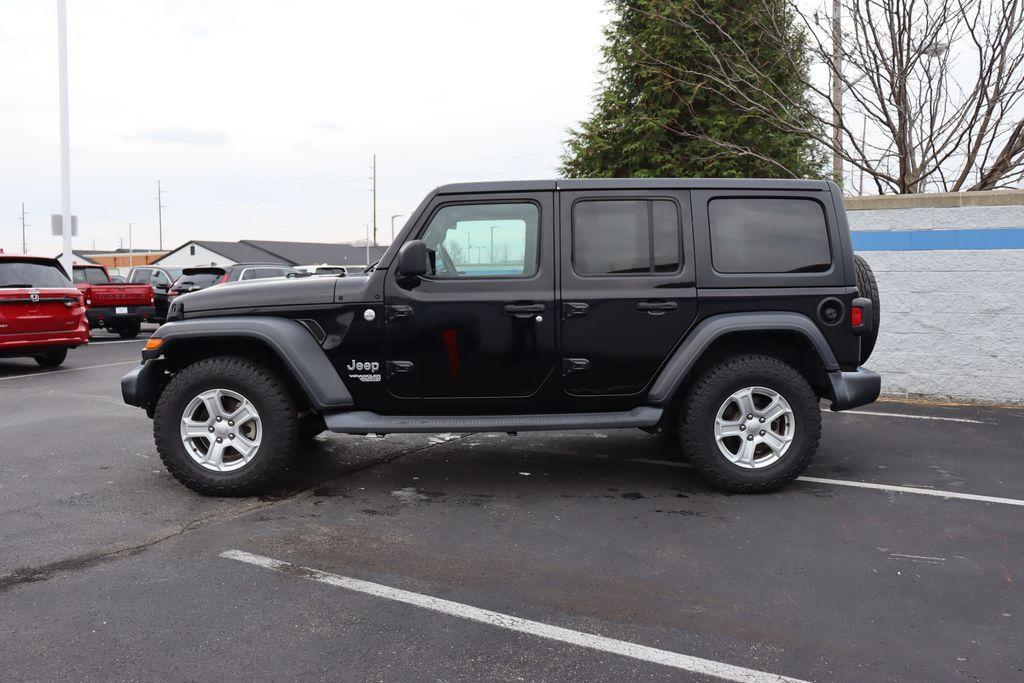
[[635, 184]]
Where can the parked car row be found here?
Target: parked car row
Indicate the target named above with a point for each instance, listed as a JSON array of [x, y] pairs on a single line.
[[43, 312]]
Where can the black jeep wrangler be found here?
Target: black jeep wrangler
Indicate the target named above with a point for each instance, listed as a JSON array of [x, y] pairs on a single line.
[[718, 312]]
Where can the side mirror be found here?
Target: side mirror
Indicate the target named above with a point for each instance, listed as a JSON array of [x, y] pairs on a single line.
[[412, 259]]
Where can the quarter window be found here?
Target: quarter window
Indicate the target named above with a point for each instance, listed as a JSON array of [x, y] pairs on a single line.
[[483, 240], [623, 237], [761, 235]]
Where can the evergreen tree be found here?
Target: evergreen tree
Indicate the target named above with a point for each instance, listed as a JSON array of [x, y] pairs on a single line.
[[654, 118]]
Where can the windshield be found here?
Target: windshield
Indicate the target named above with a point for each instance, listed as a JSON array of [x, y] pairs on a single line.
[[94, 276], [31, 274]]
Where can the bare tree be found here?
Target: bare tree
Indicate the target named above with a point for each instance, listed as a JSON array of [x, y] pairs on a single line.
[[933, 87]]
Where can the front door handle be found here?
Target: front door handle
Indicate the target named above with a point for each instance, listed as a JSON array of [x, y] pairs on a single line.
[[522, 310], [656, 307]]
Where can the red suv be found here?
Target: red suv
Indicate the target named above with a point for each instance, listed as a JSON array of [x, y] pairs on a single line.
[[42, 314]]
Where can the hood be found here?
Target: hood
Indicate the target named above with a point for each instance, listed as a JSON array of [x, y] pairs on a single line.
[[255, 295]]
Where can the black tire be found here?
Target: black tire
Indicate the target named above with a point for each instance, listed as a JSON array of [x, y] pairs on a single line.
[[130, 331], [278, 415], [52, 359], [868, 288], [711, 390]]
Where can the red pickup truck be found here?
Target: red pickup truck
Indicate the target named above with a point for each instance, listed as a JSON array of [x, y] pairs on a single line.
[[120, 308], [42, 314]]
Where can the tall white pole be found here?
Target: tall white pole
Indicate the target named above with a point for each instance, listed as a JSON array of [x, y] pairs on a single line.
[[65, 135]]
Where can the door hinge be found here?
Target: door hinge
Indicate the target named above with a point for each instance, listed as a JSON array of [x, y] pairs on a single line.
[[399, 311], [399, 367], [571, 365]]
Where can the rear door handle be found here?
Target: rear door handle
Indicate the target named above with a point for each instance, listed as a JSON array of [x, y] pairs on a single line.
[[656, 307], [575, 309], [523, 310]]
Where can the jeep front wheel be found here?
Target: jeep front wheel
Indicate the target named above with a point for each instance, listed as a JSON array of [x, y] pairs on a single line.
[[226, 426], [750, 424]]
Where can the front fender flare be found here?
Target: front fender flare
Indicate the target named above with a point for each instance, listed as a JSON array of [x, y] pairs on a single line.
[[707, 331], [293, 344]]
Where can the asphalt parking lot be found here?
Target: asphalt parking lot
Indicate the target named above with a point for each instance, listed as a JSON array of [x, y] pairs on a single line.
[[547, 556]]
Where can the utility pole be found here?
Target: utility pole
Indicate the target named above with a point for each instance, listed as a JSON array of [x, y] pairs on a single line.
[[837, 92], [373, 191], [160, 214], [67, 255], [24, 244], [367, 244], [131, 261]]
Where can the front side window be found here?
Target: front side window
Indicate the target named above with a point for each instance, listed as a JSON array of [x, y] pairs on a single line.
[[625, 237], [762, 235], [483, 240]]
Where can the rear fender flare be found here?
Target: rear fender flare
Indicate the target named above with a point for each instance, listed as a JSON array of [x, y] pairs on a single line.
[[682, 361], [293, 344]]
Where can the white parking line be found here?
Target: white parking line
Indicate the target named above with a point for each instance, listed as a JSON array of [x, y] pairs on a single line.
[[911, 417], [698, 665], [47, 373], [913, 489], [937, 493]]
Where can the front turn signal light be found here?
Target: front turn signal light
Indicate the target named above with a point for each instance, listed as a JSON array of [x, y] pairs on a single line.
[[154, 343]]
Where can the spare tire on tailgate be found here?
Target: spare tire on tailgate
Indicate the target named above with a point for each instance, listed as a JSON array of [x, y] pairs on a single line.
[[868, 288]]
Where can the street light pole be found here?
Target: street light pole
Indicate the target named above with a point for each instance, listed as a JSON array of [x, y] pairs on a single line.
[[397, 215], [65, 135]]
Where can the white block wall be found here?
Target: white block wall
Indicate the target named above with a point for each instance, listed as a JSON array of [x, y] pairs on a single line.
[[952, 321]]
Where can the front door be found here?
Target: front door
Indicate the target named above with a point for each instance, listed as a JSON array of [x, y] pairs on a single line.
[[481, 324], [628, 288]]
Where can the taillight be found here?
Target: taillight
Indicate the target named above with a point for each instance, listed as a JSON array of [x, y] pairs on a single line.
[[856, 316]]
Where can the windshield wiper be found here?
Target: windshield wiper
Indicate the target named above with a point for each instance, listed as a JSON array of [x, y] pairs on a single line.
[[15, 284]]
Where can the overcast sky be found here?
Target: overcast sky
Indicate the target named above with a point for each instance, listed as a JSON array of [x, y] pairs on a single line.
[[259, 116]]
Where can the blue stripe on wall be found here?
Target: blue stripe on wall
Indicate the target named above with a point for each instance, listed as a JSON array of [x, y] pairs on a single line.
[[932, 240]]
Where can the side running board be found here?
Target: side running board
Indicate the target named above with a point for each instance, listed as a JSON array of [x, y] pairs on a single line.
[[363, 422]]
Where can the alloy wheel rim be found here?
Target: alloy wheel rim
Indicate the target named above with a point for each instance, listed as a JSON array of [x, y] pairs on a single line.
[[221, 430], [754, 427]]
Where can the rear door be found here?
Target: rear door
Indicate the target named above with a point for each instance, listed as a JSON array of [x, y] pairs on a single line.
[[628, 288]]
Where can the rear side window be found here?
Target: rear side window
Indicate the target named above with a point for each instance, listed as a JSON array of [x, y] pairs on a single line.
[[262, 273], [31, 274], [761, 235], [625, 237], [140, 275]]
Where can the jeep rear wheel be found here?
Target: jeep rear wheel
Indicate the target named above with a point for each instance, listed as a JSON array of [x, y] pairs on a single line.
[[750, 424], [226, 426]]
